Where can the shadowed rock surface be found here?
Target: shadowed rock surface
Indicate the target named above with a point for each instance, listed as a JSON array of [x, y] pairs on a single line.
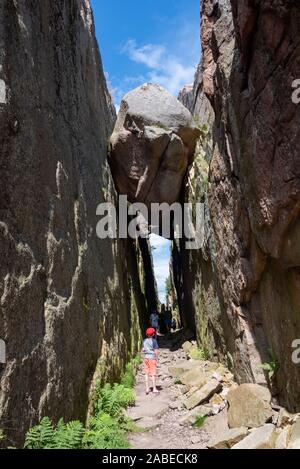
[[66, 304], [152, 145], [244, 286]]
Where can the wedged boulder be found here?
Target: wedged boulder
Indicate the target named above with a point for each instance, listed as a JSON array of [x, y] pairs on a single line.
[[260, 438], [152, 144], [249, 406], [228, 439], [203, 394]]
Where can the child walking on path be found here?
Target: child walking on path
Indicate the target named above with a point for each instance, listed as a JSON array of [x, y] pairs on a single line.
[[150, 351]]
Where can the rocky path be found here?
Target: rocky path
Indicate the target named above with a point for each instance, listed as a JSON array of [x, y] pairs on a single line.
[[164, 415], [235, 416]]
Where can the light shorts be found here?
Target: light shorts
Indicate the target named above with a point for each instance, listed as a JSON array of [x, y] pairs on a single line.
[[150, 366]]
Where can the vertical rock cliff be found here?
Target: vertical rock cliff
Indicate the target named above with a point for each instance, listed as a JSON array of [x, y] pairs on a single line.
[[243, 90], [65, 301]]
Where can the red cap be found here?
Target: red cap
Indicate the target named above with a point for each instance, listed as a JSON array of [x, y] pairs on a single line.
[[150, 332]]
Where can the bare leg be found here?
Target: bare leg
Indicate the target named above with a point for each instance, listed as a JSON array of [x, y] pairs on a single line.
[[147, 383], [154, 384]]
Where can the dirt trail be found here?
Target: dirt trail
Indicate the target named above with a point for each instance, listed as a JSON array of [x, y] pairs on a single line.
[[162, 414]]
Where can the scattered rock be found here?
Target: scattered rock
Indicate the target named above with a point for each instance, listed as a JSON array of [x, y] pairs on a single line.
[[294, 439], [228, 439], [175, 405], [216, 399], [203, 394], [249, 406], [195, 377], [195, 439], [284, 418], [225, 392], [187, 346], [217, 408], [283, 437], [260, 438], [190, 417], [183, 389], [178, 369]]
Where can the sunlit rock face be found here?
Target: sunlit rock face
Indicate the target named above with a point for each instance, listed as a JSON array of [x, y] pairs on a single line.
[[243, 92], [152, 145]]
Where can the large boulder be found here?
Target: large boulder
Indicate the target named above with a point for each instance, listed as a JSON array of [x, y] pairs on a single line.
[[249, 406], [152, 145]]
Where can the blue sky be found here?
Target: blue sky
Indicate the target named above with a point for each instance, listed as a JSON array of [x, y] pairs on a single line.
[[149, 41]]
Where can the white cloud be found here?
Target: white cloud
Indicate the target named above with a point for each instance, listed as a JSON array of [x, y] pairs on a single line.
[[162, 272], [158, 242], [149, 55], [164, 68], [161, 261]]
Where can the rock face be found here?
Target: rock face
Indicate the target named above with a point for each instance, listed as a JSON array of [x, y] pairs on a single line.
[[244, 87], [152, 144], [65, 302]]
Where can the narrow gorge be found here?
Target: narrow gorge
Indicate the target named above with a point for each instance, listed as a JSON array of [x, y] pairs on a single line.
[[74, 307]]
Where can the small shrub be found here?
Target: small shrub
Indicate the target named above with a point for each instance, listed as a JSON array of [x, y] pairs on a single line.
[[200, 420], [136, 361], [105, 433], [128, 377], [271, 366], [107, 428], [113, 399], [130, 426], [198, 353], [177, 381], [46, 436]]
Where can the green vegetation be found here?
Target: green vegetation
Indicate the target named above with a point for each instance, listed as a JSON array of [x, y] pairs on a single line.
[[112, 400], [177, 381], [105, 432], [2, 436], [47, 436], [107, 428], [128, 377], [200, 420], [271, 366], [198, 353], [159, 125], [202, 127]]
